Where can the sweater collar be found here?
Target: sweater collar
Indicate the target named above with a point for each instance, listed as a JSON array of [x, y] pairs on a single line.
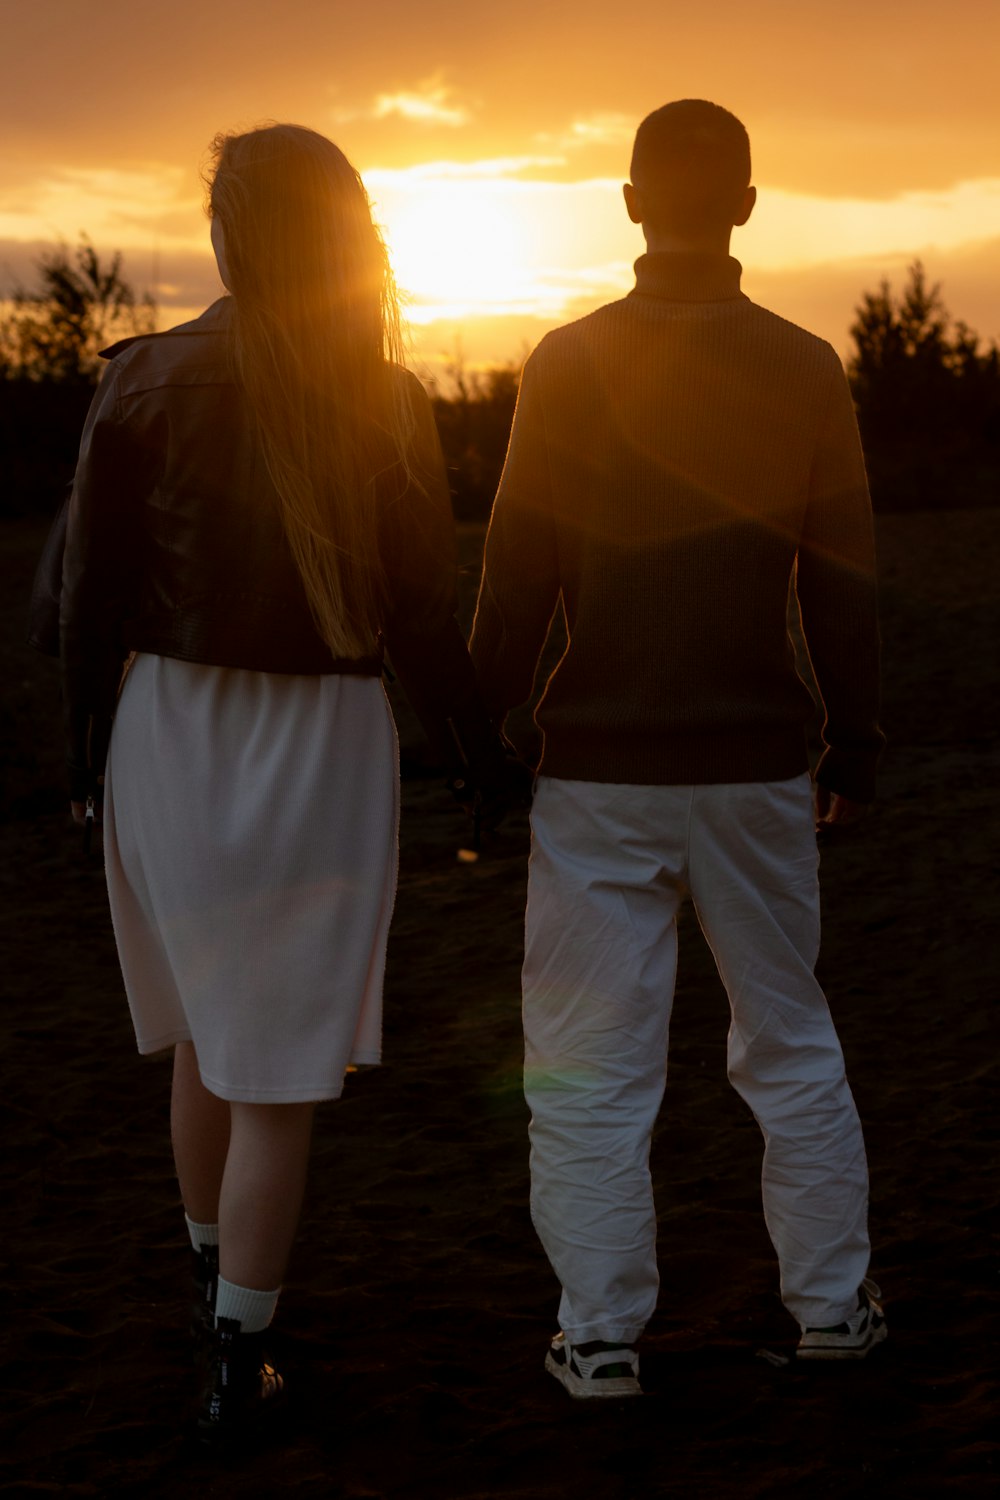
[[688, 276]]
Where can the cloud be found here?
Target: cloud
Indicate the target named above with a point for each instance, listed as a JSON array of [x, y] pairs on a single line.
[[606, 128], [790, 230], [856, 100], [428, 104], [123, 207], [492, 168]]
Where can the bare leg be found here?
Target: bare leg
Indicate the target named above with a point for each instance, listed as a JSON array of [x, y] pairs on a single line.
[[262, 1190], [243, 1167], [199, 1132]]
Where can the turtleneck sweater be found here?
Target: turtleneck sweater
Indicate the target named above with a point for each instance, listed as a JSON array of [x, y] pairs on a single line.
[[678, 459]]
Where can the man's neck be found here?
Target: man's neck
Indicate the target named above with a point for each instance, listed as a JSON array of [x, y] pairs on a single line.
[[661, 242]]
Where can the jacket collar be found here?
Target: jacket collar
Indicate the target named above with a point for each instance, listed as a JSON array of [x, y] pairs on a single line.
[[688, 276], [215, 319]]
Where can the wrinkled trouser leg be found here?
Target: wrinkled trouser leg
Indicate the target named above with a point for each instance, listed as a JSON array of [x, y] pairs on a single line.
[[600, 961], [607, 872], [753, 875]]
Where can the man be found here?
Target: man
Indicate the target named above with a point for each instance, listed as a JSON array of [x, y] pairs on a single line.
[[677, 458]]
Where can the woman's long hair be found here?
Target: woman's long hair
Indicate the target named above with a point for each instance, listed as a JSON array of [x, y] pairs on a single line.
[[315, 330]]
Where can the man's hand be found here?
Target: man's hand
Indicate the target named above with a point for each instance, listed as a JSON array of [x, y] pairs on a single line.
[[835, 811]]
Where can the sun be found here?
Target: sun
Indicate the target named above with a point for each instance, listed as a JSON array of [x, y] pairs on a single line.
[[459, 247]]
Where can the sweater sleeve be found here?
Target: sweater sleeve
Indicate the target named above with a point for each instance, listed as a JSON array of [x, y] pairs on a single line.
[[836, 588], [520, 585]]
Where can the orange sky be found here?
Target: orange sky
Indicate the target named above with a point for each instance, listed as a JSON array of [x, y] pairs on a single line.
[[494, 140]]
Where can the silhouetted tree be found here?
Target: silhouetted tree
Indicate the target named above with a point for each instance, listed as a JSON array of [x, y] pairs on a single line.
[[928, 399], [50, 340], [81, 305]]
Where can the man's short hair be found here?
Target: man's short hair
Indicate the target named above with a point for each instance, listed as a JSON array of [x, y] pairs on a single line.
[[691, 163]]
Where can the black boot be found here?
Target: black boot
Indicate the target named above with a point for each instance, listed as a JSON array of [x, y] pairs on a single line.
[[205, 1278], [238, 1385]]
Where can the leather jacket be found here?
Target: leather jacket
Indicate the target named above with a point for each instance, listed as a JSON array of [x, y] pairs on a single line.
[[174, 545]]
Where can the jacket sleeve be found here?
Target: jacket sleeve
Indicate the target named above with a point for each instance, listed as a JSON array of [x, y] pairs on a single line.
[[836, 588], [422, 636], [521, 584], [100, 567]]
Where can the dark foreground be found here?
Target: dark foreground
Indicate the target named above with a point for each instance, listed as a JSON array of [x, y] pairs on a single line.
[[418, 1304]]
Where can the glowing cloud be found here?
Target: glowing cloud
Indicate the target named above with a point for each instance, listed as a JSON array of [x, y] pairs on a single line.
[[790, 229], [427, 105], [603, 129], [407, 178], [122, 208]]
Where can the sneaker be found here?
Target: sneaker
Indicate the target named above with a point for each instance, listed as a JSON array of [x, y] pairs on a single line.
[[853, 1338], [594, 1370]]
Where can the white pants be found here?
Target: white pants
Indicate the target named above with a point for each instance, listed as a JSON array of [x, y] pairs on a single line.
[[609, 868]]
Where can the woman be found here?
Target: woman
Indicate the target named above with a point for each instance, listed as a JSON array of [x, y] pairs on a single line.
[[260, 505]]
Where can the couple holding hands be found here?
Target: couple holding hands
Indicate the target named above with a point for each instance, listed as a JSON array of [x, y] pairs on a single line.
[[260, 513]]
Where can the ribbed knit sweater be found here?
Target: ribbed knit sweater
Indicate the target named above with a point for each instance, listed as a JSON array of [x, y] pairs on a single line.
[[677, 459]]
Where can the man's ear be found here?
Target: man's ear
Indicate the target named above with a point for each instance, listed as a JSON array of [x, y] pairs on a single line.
[[746, 207], [633, 202]]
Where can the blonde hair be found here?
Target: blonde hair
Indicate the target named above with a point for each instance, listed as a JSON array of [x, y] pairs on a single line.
[[315, 331]]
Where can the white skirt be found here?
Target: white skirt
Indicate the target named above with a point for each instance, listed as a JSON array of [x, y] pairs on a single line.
[[251, 837]]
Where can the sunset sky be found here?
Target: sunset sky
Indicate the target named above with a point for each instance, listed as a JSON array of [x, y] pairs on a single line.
[[494, 140]]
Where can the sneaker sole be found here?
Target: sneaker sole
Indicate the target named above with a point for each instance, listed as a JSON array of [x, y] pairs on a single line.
[[844, 1351], [613, 1388]]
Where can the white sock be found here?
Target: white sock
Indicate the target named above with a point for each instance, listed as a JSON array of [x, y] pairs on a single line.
[[251, 1310], [202, 1234]]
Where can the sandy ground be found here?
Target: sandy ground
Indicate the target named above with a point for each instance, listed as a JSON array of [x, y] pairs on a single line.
[[418, 1304]]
